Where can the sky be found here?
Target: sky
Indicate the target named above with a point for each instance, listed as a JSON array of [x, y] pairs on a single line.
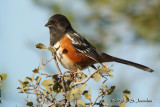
[[19, 21], [22, 27]]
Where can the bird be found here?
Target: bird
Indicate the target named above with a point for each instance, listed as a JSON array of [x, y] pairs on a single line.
[[74, 52]]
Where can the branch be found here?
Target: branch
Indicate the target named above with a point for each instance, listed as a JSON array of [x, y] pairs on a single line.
[[60, 73], [57, 66], [46, 62], [48, 75], [100, 94], [66, 105], [84, 81]]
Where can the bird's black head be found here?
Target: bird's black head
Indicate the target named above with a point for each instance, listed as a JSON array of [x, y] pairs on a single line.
[[58, 22]]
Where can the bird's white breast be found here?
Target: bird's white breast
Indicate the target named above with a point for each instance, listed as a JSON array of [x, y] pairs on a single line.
[[65, 61]]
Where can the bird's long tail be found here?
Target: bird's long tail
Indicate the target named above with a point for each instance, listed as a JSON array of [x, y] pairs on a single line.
[[108, 58]]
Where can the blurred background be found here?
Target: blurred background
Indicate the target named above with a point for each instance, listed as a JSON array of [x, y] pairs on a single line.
[[128, 29]]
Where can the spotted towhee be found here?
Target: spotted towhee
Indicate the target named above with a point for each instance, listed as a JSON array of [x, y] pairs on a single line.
[[73, 51]]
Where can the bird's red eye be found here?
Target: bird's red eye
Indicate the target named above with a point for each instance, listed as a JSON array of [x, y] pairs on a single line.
[[57, 22]]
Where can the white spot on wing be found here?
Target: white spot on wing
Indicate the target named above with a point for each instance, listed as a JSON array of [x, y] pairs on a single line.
[[76, 41], [72, 39]]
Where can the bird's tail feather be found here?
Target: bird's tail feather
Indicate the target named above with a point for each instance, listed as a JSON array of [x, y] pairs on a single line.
[[108, 58]]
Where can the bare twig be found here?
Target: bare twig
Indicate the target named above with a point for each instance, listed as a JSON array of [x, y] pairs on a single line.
[[45, 96], [57, 65], [48, 75], [84, 81], [66, 105], [47, 62], [100, 94], [60, 73], [53, 97]]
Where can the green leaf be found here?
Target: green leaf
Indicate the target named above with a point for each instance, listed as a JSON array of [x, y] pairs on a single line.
[[110, 71], [25, 82], [26, 100], [80, 103], [20, 81], [105, 87], [102, 102], [46, 83], [96, 77], [81, 75], [22, 85], [55, 78], [32, 77], [57, 87], [36, 70], [0, 81], [38, 78], [66, 78], [42, 67], [123, 104], [40, 46], [4, 76], [126, 95], [89, 92], [87, 95], [18, 88], [69, 96], [51, 49], [110, 75], [68, 82], [82, 88], [103, 69], [76, 93], [48, 89], [75, 90], [29, 104], [28, 78], [110, 90]]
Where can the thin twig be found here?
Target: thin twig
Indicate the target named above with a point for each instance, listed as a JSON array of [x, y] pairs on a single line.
[[100, 94], [84, 81], [45, 96], [60, 73], [57, 65], [66, 105], [47, 62], [48, 75]]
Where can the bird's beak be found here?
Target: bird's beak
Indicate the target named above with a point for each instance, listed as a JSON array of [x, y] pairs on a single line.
[[48, 25]]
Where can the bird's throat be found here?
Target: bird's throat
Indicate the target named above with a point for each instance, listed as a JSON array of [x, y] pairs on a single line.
[[55, 36]]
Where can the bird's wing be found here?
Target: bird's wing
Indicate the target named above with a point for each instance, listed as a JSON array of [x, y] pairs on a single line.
[[83, 46]]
